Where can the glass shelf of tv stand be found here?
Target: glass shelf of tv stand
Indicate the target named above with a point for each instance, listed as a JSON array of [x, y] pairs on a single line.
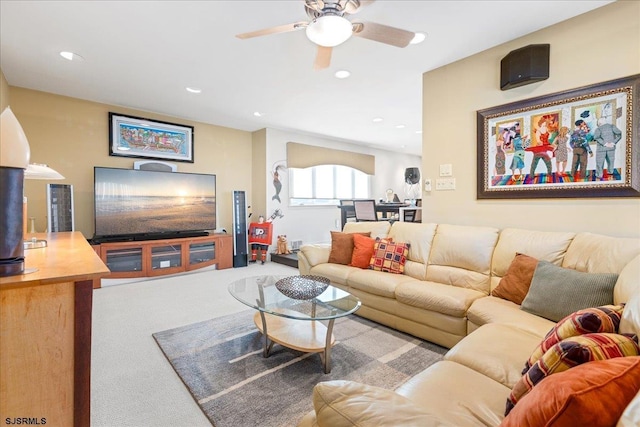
[[124, 259], [166, 256], [201, 252]]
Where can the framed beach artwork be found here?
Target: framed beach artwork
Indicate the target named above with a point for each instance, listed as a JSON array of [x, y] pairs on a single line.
[[578, 143], [150, 139]]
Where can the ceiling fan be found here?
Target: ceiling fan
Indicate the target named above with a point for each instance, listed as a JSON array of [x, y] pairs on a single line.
[[329, 27]]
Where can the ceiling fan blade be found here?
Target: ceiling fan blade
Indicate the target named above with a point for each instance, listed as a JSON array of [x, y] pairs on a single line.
[[316, 5], [383, 33], [274, 30], [354, 6], [323, 58]]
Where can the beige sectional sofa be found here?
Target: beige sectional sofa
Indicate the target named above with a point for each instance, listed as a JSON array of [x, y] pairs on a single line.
[[444, 296]]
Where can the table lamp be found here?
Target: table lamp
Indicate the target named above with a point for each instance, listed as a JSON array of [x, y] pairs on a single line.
[[14, 159]]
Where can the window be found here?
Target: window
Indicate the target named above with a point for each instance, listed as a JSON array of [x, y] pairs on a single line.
[[326, 185]]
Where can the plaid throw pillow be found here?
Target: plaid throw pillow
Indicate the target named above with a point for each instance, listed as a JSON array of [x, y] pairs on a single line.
[[389, 256], [571, 352], [587, 321]]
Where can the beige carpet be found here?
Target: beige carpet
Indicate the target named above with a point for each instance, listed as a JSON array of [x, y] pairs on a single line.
[[221, 363], [131, 382]]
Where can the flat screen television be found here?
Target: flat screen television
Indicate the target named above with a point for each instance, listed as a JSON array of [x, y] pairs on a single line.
[[133, 204]]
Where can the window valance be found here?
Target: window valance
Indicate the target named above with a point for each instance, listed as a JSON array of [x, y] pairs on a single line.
[[304, 156]]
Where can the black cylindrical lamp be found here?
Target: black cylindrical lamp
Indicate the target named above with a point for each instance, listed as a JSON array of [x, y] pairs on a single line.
[[14, 159]]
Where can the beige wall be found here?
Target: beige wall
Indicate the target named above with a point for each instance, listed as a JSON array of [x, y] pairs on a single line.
[[601, 45], [4, 92], [258, 196], [72, 135]]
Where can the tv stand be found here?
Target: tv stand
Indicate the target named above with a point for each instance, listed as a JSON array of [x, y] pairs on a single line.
[[158, 257]]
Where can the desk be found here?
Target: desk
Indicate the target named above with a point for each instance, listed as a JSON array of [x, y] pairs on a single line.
[[45, 324], [385, 208]]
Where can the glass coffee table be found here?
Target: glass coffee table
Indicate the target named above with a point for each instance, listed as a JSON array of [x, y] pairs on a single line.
[[290, 311]]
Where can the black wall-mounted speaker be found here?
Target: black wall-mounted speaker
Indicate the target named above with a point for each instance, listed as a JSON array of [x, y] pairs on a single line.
[[529, 64], [154, 165], [412, 175]]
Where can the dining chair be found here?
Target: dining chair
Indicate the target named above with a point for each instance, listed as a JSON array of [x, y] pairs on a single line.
[[413, 215], [365, 210], [350, 213]]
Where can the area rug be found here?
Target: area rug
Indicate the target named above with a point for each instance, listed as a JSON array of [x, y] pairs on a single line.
[[221, 363]]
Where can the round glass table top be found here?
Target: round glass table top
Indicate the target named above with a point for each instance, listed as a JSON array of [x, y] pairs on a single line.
[[296, 297]]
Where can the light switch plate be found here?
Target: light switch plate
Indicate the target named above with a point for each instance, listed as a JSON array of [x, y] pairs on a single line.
[[446, 170], [445, 184], [427, 185]]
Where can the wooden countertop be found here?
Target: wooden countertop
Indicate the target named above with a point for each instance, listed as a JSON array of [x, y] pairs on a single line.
[[67, 257]]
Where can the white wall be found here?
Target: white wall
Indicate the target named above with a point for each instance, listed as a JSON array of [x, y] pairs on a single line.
[[312, 224]]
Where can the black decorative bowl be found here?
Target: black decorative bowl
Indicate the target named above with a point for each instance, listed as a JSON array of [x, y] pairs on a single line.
[[302, 287]]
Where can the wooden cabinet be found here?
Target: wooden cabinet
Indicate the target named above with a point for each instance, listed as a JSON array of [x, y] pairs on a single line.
[[168, 256], [45, 325]]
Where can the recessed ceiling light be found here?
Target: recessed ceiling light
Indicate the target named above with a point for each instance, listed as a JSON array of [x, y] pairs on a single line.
[[377, 120], [70, 56], [418, 131], [257, 114], [342, 74], [194, 90], [418, 38], [400, 126]]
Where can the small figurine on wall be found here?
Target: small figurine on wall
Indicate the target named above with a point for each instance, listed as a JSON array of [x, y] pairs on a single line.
[[282, 245], [260, 238]]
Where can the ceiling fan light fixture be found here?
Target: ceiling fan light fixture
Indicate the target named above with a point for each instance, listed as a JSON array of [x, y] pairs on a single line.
[[418, 38], [329, 30]]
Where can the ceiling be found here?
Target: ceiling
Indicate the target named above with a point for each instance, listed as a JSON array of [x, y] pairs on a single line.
[[143, 54]]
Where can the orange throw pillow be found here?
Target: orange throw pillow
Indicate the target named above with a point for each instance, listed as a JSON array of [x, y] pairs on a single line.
[[516, 281], [362, 251], [342, 247], [593, 394]]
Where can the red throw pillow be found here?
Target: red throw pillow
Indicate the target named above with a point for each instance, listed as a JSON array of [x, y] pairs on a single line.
[[593, 394], [362, 251], [516, 281], [389, 256]]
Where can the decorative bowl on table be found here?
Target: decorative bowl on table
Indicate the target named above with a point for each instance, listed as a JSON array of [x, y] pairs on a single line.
[[302, 287]]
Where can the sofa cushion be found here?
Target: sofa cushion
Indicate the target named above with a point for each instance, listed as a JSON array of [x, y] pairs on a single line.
[[553, 292], [342, 247], [595, 253], [460, 395], [515, 283], [461, 256], [549, 246], [336, 273], [631, 416], [589, 320], [389, 256], [362, 251], [377, 282], [445, 299], [594, 394], [571, 352], [376, 228], [347, 403], [420, 237], [628, 284], [498, 310], [495, 350]]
